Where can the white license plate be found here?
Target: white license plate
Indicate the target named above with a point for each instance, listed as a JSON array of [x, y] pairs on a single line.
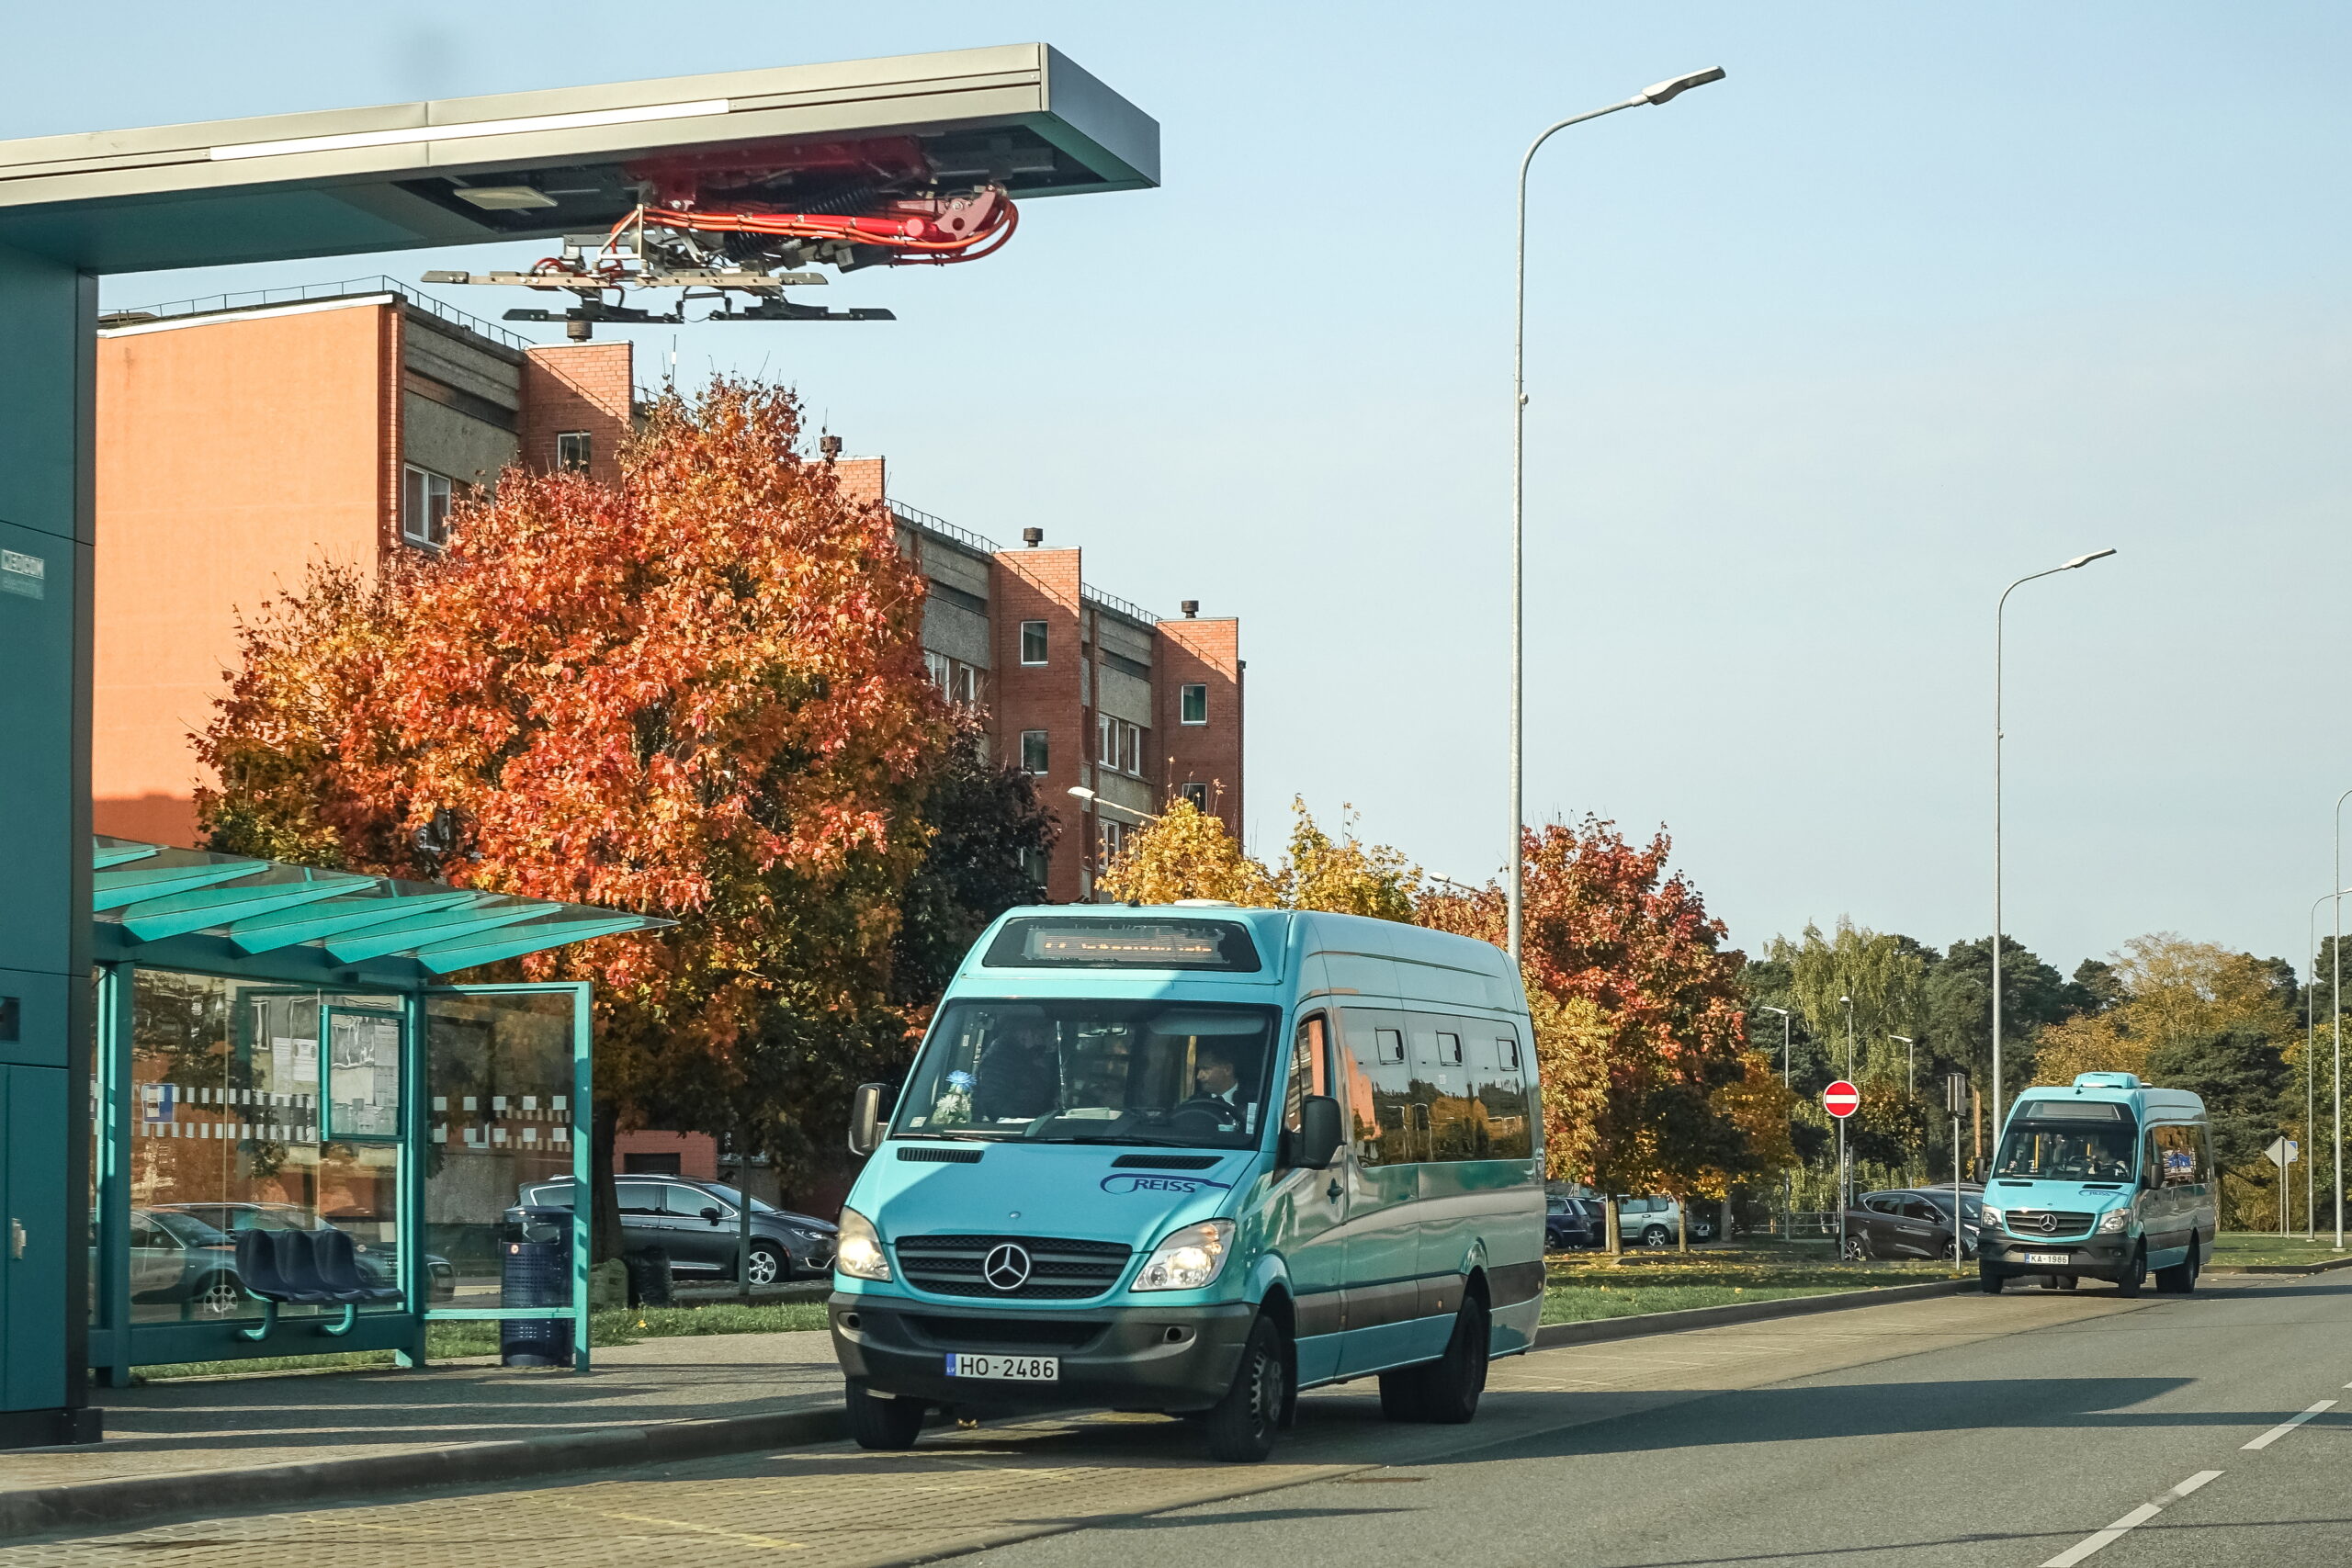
[[2047, 1257], [1006, 1368]]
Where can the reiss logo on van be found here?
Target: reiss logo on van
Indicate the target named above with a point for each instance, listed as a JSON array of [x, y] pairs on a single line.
[[1128, 1181]]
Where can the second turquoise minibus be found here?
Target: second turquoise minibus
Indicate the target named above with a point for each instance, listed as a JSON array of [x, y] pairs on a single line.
[[1193, 1158], [2105, 1178]]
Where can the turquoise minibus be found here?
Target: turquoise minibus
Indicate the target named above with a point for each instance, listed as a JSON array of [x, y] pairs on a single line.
[[1193, 1158], [2107, 1178]]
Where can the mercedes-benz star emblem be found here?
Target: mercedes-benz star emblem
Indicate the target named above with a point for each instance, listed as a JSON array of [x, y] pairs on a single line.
[[1006, 1267], [2048, 1224]]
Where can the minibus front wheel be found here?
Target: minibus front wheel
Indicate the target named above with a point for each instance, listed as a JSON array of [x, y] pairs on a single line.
[[1241, 1426], [2135, 1274], [881, 1423]]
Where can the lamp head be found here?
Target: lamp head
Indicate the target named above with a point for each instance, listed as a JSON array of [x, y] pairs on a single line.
[[1667, 92], [1082, 792], [2085, 560]]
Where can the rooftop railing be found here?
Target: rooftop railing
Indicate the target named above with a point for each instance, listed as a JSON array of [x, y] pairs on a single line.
[[1114, 603], [942, 527], [295, 294]]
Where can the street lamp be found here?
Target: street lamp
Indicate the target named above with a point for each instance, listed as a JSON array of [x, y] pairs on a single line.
[[1788, 1202], [1092, 798], [1910, 1061], [1663, 93], [1849, 1036], [2000, 613]]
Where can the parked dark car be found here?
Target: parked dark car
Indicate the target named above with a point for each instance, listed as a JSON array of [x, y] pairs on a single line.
[[375, 1267], [695, 1223], [1911, 1221], [1573, 1222]]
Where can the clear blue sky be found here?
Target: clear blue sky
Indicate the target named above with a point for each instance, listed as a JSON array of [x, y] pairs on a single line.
[[1921, 299]]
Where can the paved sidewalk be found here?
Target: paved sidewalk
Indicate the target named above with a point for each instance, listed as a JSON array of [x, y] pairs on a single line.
[[213, 1424]]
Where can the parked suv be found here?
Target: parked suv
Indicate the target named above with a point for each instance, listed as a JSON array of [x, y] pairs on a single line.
[[1656, 1221], [1911, 1222], [695, 1223]]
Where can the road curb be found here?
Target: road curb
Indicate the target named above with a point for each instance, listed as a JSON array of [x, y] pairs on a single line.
[[2324, 1268], [40, 1510], [1601, 1330]]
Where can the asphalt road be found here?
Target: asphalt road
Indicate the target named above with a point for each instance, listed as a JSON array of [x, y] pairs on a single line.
[[1966, 1430], [2012, 1451]]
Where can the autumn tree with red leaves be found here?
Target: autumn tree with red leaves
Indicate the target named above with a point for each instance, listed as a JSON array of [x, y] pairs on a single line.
[[1641, 1037], [698, 693]]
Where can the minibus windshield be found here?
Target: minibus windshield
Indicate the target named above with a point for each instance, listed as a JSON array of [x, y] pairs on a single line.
[[2045, 1149], [1093, 1072]]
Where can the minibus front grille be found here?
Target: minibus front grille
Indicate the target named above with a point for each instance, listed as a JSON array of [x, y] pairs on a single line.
[[2027, 1223], [993, 1333], [1057, 1269]]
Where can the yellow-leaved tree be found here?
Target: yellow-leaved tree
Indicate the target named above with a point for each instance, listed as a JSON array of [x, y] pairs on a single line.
[[1187, 854]]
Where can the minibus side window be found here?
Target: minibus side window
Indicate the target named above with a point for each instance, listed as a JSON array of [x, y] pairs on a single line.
[[1503, 1092], [1378, 1051], [1307, 1060], [2177, 1156]]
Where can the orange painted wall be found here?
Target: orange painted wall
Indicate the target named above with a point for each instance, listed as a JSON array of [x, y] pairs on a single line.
[[230, 456]]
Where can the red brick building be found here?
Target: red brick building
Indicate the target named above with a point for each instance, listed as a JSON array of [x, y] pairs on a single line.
[[237, 444]]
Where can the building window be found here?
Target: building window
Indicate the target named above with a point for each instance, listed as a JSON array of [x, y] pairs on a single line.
[[968, 684], [1131, 749], [424, 508], [1032, 867], [1032, 750], [1194, 704], [1115, 840], [942, 670], [1033, 642], [571, 450], [1198, 794], [1106, 741]]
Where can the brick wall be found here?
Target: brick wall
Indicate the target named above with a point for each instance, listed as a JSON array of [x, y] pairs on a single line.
[[578, 386], [859, 478], [1043, 585], [1201, 652]]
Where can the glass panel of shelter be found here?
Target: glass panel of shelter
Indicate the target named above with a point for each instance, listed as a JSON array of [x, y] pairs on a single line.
[[501, 1103], [226, 1135]]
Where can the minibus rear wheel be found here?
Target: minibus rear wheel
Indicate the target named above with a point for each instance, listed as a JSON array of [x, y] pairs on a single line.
[[2181, 1278], [882, 1423], [1444, 1391]]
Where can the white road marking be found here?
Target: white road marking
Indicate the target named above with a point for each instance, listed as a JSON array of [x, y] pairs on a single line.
[[2139, 1515], [2289, 1425]]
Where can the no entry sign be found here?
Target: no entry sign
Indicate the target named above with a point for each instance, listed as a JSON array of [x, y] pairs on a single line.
[[1842, 1100]]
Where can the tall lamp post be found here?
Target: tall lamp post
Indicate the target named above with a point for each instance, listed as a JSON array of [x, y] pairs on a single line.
[[1663, 93], [1910, 1061], [2335, 1006], [1850, 1035], [2000, 613], [1784, 1041]]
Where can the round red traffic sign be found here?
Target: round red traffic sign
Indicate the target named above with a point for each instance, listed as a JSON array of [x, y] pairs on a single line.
[[1841, 1098]]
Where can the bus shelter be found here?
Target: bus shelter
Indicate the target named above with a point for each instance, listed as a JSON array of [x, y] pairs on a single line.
[[285, 1048]]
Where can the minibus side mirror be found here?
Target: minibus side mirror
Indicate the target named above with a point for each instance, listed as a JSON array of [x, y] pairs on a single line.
[[866, 1119], [1316, 1143]]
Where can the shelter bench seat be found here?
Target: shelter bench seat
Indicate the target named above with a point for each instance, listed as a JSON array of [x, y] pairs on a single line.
[[317, 1268]]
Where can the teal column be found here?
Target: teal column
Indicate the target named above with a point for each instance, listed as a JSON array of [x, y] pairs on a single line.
[[48, 347]]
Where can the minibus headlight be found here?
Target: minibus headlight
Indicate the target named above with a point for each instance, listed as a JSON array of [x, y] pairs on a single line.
[[1989, 1219], [2113, 1222], [860, 1254], [1189, 1260]]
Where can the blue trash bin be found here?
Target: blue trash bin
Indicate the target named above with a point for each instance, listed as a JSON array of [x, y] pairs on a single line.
[[535, 1247]]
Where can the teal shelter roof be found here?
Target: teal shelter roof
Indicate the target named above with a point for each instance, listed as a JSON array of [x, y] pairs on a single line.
[[150, 896]]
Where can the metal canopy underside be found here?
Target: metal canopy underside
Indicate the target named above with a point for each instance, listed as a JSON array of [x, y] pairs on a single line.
[[341, 181], [153, 893]]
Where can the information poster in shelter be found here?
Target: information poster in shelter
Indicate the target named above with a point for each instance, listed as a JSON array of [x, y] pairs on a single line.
[[364, 1077]]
